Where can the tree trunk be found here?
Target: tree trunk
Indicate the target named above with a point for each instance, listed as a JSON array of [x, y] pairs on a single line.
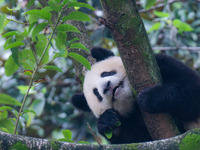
[[187, 141], [126, 26]]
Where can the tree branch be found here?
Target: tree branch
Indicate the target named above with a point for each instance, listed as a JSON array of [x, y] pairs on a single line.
[[188, 140]]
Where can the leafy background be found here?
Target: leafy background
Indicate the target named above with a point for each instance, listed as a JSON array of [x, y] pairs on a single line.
[[174, 26]]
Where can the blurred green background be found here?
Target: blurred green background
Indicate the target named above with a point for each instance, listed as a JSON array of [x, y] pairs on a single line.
[[173, 28]]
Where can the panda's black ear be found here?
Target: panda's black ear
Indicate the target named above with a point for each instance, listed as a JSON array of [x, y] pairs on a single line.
[[101, 53], [79, 101]]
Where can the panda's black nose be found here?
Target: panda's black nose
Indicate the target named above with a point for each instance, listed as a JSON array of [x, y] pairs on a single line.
[[107, 87]]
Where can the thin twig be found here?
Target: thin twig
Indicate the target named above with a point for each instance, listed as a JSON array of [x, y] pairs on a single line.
[[17, 21], [33, 75], [50, 38], [194, 49], [47, 63], [24, 100], [32, 45], [92, 132], [158, 6]]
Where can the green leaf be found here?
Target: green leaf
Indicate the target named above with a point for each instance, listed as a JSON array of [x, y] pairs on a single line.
[[76, 15], [15, 55], [79, 45], [108, 134], [7, 124], [10, 66], [28, 72], [155, 26], [4, 129], [118, 124], [8, 100], [40, 80], [67, 134], [53, 68], [42, 14], [5, 108], [60, 40], [76, 4], [72, 40], [31, 26], [65, 140], [2, 108], [30, 3], [25, 33], [161, 14], [149, 3], [15, 44], [65, 2], [40, 46], [181, 26], [80, 59], [3, 114], [29, 116], [54, 5], [57, 1], [29, 111], [23, 89], [11, 33], [27, 65], [68, 28], [83, 142], [37, 106], [2, 20], [47, 8], [33, 19], [39, 28], [16, 8]]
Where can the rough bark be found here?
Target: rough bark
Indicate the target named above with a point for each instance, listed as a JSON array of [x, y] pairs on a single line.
[[187, 141], [126, 26]]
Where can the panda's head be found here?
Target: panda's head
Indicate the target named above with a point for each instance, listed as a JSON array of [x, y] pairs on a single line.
[[105, 86]]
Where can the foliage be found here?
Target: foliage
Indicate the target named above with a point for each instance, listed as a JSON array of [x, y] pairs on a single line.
[[30, 53], [33, 43], [68, 137]]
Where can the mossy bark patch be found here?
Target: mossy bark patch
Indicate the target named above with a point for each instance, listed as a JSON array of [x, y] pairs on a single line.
[[19, 146], [190, 142]]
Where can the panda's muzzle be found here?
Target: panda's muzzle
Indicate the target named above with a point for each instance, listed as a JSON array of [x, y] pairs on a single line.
[[115, 88]]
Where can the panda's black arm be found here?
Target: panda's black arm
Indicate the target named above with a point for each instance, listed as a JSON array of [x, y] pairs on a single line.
[[182, 103], [179, 93], [79, 101]]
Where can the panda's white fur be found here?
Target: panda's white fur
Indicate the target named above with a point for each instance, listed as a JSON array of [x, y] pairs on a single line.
[[123, 96]]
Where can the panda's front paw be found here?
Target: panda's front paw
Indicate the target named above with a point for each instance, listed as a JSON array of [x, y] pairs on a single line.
[[108, 121], [145, 100]]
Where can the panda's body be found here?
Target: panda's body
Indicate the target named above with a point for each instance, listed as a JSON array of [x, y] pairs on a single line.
[[108, 94]]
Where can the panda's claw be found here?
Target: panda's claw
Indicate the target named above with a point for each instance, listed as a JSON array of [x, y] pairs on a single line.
[[109, 120]]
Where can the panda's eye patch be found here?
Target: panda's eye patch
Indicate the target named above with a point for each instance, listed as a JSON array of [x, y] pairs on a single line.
[[96, 92], [106, 74]]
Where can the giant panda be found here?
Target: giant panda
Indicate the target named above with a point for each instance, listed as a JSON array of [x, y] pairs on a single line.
[[107, 93]]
